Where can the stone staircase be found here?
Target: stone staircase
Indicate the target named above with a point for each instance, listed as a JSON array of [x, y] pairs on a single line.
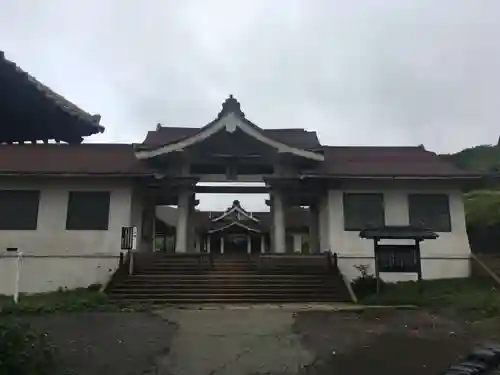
[[196, 278]]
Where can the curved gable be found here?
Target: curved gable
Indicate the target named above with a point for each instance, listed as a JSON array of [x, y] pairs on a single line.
[[229, 119]]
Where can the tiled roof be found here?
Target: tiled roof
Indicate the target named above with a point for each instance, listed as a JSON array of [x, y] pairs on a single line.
[[299, 138], [398, 232], [120, 159], [60, 101], [295, 217], [385, 161], [90, 159]]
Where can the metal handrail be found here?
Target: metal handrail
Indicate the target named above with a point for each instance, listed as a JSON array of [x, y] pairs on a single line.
[[492, 274]]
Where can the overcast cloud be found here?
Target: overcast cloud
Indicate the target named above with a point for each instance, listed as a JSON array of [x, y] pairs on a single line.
[[365, 72]]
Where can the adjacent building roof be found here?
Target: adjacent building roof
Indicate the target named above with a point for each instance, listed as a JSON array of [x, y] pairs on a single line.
[[60, 159], [373, 161], [127, 159], [348, 162], [296, 218], [21, 85]]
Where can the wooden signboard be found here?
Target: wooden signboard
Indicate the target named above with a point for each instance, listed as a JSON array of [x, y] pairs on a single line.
[[129, 238], [397, 258]]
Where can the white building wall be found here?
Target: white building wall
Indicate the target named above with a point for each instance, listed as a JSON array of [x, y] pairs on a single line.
[[55, 257], [297, 242], [325, 223], [445, 257]]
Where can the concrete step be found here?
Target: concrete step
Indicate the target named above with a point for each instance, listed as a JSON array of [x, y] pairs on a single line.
[[236, 284], [227, 280], [226, 276], [226, 296], [285, 289], [228, 301]]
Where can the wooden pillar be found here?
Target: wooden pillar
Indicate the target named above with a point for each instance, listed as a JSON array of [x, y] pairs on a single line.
[[183, 208], [208, 244], [314, 229], [262, 243], [222, 245], [249, 244], [297, 243], [279, 235], [192, 235]]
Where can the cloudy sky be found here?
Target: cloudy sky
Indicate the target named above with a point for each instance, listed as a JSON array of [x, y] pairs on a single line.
[[360, 72]]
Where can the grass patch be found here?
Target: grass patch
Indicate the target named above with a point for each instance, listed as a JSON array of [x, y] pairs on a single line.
[[24, 351], [469, 297], [77, 300]]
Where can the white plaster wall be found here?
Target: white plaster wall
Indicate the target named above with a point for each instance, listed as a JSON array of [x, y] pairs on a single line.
[[138, 204], [325, 224], [297, 242], [446, 257], [58, 258], [46, 274]]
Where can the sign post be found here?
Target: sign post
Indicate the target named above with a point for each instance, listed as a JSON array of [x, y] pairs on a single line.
[[397, 258], [15, 250], [129, 242]]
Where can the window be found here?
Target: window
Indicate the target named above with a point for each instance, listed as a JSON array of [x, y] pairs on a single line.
[[19, 209], [363, 210], [88, 210], [431, 211]]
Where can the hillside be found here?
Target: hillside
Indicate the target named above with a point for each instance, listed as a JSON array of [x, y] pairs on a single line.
[[484, 158], [482, 206]]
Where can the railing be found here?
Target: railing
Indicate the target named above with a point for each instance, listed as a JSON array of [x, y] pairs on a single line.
[[121, 272], [485, 268]]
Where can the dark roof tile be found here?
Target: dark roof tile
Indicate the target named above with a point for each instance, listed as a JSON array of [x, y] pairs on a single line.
[[295, 218], [59, 100], [70, 159], [299, 138], [385, 161], [120, 159]]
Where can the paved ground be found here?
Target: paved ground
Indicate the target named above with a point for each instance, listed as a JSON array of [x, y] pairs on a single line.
[[225, 342], [262, 341]]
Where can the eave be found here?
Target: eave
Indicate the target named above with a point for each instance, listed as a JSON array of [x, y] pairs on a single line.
[[234, 223], [84, 123], [235, 208], [229, 119]]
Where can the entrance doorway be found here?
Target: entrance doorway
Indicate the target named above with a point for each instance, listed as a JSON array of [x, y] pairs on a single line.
[[236, 244]]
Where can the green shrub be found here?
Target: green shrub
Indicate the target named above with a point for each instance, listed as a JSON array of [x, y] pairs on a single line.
[[25, 352], [466, 297], [77, 300], [365, 284]]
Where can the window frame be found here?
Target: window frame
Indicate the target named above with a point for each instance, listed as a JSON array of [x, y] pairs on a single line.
[[439, 227], [33, 224], [79, 224], [356, 228]]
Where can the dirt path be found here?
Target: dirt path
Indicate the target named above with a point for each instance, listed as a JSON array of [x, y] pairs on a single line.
[[388, 342]]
